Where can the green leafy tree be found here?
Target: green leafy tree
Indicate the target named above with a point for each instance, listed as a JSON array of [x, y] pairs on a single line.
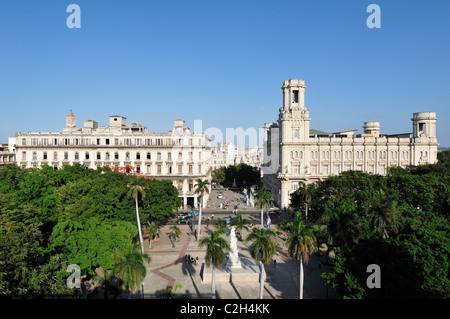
[[383, 212], [215, 253], [90, 244], [218, 175], [161, 200], [303, 196]]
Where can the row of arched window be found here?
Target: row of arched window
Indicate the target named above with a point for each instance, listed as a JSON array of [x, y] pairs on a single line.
[[108, 156], [358, 155]]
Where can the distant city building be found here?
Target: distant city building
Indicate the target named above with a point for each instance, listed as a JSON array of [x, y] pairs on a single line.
[[310, 155], [226, 154], [178, 155], [6, 156]]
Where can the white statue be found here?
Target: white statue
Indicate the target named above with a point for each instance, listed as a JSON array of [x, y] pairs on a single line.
[[233, 261]]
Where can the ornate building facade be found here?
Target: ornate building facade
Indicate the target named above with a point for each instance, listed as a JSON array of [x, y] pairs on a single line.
[[296, 153], [178, 155]]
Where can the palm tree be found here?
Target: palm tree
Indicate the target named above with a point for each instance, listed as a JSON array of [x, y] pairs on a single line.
[[343, 225], [201, 188], [215, 255], [383, 211], [130, 268], [240, 224], [152, 231], [263, 198], [301, 242], [220, 224], [137, 187], [174, 233], [262, 245], [306, 191]]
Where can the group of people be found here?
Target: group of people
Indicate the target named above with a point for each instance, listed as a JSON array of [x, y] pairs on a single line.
[[189, 259]]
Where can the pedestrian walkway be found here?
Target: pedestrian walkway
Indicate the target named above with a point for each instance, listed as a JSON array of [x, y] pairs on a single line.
[[168, 267]]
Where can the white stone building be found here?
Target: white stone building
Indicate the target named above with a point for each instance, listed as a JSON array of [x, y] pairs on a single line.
[[294, 152], [178, 155]]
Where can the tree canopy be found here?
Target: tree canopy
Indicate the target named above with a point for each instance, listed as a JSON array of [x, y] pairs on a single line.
[[52, 218]]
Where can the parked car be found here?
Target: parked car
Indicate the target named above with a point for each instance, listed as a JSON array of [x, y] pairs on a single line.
[[183, 220], [183, 215], [228, 220], [219, 196], [193, 213]]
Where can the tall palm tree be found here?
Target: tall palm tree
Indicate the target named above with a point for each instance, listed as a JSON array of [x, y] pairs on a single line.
[[301, 242], [152, 231], [240, 224], [215, 254], [263, 198], [343, 225], [262, 245], [130, 268], [175, 232], [220, 224], [306, 191], [383, 211], [201, 188], [136, 188]]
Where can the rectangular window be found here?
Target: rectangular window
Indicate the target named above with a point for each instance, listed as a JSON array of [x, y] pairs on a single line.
[[45, 156], [107, 141], [336, 169], [325, 170], [314, 169], [296, 170], [295, 96]]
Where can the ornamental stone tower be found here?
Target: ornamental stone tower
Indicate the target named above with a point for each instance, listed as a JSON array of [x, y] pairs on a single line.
[[294, 116]]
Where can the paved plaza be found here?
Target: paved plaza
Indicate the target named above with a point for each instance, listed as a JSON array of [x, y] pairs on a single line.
[[168, 268]]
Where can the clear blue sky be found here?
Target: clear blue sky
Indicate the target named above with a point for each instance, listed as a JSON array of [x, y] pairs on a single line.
[[223, 62]]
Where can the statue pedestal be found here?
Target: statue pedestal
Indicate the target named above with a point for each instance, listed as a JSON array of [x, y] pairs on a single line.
[[234, 269], [248, 272]]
